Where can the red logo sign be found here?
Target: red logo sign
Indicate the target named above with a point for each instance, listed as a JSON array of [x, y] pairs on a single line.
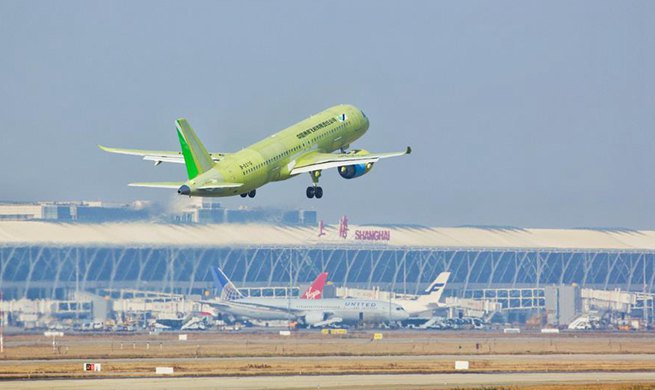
[[373, 235], [343, 227]]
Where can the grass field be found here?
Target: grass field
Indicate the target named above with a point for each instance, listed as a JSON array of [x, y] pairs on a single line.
[[215, 344], [312, 353]]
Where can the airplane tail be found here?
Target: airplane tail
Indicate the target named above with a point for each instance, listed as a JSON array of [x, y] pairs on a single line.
[[196, 157], [433, 293], [315, 291], [225, 288]]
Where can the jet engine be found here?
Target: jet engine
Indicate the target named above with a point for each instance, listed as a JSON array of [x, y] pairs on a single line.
[[314, 317], [357, 170]]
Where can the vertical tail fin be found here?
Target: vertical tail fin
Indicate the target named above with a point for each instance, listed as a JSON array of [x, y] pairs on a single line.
[[225, 288], [433, 293], [315, 291], [196, 158]]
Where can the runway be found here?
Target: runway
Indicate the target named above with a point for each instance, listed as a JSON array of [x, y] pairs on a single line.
[[408, 360], [400, 381], [641, 357]]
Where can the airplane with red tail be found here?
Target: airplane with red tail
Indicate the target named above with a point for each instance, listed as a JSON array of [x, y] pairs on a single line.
[[315, 290]]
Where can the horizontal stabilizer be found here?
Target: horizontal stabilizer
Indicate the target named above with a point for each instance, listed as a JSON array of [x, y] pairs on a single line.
[[161, 184], [218, 186]]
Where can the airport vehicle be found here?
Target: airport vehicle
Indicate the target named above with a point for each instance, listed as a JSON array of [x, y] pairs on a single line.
[[306, 147], [425, 303], [190, 321], [440, 323], [310, 312]]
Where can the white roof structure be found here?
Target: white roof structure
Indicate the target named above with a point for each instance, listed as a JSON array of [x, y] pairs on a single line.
[[16, 233]]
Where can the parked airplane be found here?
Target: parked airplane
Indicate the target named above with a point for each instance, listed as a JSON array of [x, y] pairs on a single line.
[[306, 147], [314, 291], [425, 303], [317, 313]]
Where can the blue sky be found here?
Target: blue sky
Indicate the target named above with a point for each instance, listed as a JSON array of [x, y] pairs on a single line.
[[531, 114]]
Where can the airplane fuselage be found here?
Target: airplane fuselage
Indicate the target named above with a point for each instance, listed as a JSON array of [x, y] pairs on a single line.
[[273, 158], [349, 310]]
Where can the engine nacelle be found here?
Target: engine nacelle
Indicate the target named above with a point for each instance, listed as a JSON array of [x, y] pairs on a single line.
[[314, 317], [357, 170]]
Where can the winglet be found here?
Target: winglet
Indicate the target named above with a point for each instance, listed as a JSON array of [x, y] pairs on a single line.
[[409, 150], [115, 150]]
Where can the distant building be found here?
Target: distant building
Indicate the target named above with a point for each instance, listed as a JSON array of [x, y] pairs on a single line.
[[10, 211], [47, 260], [202, 211], [209, 211], [79, 211], [563, 304], [104, 212], [56, 212], [300, 217]]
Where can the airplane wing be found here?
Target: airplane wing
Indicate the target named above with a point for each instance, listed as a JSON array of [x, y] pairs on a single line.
[[315, 161], [216, 303], [158, 156], [274, 309], [226, 305], [178, 184], [161, 184]]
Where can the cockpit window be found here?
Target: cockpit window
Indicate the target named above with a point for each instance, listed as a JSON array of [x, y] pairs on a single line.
[[364, 115]]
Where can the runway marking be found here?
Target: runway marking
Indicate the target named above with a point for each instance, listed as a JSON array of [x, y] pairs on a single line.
[[339, 381]]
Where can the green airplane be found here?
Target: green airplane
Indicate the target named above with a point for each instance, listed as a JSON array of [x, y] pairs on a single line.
[[306, 147]]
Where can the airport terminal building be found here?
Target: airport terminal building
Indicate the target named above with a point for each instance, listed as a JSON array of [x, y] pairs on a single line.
[[50, 259]]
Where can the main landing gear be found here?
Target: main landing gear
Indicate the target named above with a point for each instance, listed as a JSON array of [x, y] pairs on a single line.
[[250, 194], [315, 191]]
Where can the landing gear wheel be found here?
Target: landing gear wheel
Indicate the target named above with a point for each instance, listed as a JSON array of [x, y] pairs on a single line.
[[315, 190], [252, 193], [244, 195]]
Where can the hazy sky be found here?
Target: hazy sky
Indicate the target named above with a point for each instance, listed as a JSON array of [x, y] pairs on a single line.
[[532, 114]]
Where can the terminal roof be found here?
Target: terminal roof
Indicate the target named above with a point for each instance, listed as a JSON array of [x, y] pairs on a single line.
[[13, 233]]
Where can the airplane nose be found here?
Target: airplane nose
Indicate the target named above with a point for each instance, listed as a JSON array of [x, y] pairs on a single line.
[[365, 119], [184, 190]]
